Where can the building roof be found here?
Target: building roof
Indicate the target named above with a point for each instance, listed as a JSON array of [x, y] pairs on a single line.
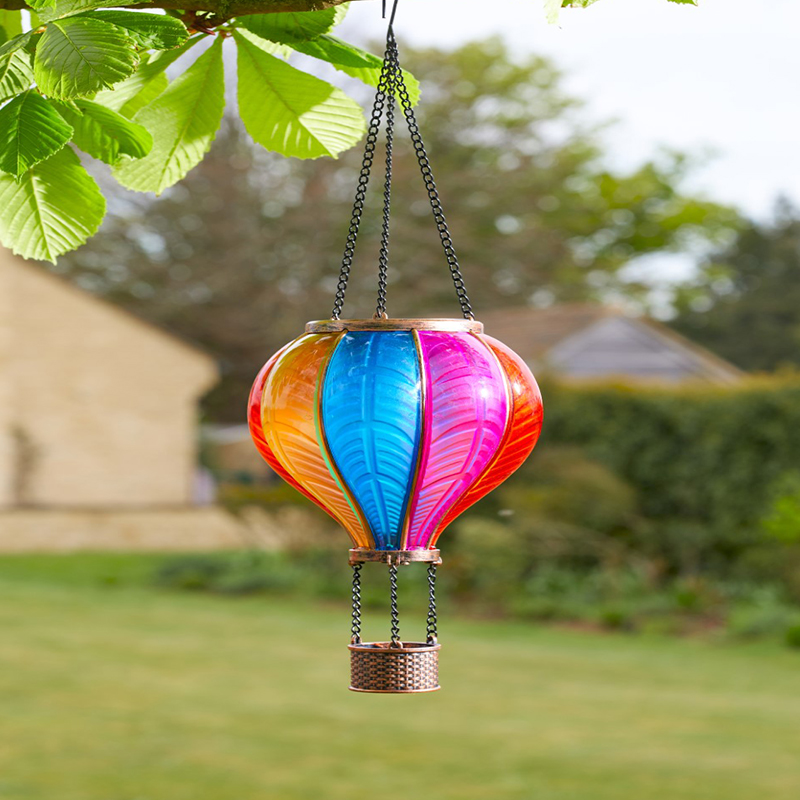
[[595, 341]]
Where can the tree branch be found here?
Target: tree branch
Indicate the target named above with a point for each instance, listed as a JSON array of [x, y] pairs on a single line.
[[220, 8]]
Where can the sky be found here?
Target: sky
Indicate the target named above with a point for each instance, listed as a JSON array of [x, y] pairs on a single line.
[[720, 79]]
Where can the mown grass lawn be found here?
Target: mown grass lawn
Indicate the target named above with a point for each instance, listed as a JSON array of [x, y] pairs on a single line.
[[122, 692]]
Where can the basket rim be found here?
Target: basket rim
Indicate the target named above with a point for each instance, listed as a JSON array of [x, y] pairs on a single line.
[[385, 648]]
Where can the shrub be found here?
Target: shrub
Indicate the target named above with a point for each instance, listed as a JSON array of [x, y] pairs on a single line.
[[765, 614], [247, 572], [703, 462], [792, 635]]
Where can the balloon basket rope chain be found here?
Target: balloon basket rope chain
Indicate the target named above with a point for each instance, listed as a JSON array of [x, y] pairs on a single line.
[[394, 667]]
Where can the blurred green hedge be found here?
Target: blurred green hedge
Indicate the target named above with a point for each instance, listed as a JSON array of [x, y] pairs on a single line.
[[707, 465]]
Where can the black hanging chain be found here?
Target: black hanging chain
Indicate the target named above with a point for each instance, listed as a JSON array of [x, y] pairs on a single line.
[[355, 628], [430, 186], [391, 85], [432, 632], [383, 258], [361, 188], [395, 613]]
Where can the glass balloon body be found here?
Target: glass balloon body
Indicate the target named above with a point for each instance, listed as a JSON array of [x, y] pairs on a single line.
[[394, 433]]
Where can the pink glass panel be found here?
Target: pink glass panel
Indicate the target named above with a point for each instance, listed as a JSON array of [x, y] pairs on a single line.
[[465, 416], [521, 435]]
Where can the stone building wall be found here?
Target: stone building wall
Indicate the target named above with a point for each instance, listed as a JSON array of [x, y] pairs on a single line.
[[97, 409]]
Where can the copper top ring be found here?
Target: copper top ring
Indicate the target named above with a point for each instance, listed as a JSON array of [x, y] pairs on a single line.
[[447, 325]]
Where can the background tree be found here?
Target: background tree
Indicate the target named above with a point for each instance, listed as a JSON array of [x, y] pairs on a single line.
[[74, 72], [239, 255], [745, 302]]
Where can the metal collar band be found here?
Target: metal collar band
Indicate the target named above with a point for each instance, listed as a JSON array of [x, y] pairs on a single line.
[[359, 555], [448, 325]]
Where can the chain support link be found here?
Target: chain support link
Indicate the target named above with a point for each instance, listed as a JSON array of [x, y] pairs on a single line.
[[395, 612], [361, 189], [383, 258], [432, 631], [391, 86], [355, 628]]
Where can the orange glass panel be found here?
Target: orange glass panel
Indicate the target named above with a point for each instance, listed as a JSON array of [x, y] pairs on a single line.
[[257, 432], [291, 428], [522, 432]]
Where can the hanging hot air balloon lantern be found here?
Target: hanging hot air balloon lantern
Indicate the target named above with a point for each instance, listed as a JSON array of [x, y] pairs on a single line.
[[394, 427]]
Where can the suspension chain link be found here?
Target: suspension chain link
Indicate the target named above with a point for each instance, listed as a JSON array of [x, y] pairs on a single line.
[[432, 632], [430, 186], [355, 628], [383, 258], [361, 188], [391, 86], [395, 613]]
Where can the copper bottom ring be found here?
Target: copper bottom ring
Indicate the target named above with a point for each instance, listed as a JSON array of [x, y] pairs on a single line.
[[359, 555], [381, 668]]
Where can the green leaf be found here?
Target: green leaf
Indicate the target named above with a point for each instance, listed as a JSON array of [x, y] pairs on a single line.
[[78, 56], [53, 208], [147, 83], [289, 27], [685, 2], [104, 133], [289, 111], [149, 31], [40, 5], [11, 23], [183, 121], [16, 74], [353, 61], [17, 43], [31, 130], [551, 9], [59, 9]]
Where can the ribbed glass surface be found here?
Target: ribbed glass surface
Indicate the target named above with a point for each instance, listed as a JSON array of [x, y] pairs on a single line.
[[395, 433], [524, 425], [371, 413], [290, 405], [465, 416]]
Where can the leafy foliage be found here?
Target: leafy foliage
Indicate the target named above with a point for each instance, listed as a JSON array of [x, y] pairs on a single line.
[[100, 81], [16, 74], [105, 134], [745, 301], [552, 7], [353, 61], [148, 31], [17, 43], [85, 52], [10, 24], [53, 207], [289, 111], [147, 83], [182, 121], [31, 130], [78, 56], [287, 28]]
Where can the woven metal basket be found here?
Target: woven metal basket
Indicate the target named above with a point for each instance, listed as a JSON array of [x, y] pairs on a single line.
[[404, 669]]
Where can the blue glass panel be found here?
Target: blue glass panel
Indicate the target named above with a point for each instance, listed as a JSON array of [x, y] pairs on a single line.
[[371, 413]]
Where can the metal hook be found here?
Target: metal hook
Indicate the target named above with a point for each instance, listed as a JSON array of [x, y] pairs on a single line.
[[394, 11]]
